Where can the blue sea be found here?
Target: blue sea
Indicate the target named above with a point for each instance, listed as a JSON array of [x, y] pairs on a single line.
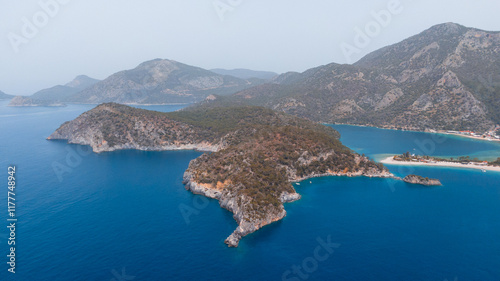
[[126, 215]]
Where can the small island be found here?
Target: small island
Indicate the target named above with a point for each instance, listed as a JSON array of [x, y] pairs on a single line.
[[27, 101], [414, 179], [460, 162], [253, 154]]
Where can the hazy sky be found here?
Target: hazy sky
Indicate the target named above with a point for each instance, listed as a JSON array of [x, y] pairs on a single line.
[[43, 45]]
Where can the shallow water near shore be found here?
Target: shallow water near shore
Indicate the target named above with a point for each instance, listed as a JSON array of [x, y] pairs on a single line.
[[381, 143], [120, 212]]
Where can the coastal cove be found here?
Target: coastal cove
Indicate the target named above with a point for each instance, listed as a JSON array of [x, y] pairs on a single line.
[[422, 143], [445, 133], [123, 209]]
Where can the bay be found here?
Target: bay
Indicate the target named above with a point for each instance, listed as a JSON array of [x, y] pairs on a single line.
[[123, 214]]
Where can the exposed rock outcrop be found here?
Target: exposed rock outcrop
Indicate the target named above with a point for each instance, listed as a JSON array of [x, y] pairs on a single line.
[[111, 127], [414, 179]]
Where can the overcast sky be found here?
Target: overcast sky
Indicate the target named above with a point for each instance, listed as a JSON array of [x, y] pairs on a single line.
[[45, 45]]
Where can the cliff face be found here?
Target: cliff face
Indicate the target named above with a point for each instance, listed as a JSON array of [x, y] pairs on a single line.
[[255, 185], [256, 153], [110, 127], [231, 200], [447, 77], [252, 177]]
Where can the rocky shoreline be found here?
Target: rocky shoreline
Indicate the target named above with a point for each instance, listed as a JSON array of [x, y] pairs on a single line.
[[414, 179], [384, 174], [255, 153], [99, 146], [228, 201], [202, 147]]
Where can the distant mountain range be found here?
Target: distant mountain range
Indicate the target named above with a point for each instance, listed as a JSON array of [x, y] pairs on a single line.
[[55, 96], [152, 82], [246, 73], [162, 81], [64, 92], [27, 101], [447, 77], [4, 96]]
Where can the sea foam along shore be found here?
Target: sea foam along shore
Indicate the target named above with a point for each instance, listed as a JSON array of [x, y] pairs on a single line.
[[391, 161]]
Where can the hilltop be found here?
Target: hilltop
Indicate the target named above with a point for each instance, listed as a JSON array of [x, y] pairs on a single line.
[[445, 78], [63, 92], [57, 95], [161, 81]]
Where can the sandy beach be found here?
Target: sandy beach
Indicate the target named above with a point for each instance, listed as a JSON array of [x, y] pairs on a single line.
[[391, 161], [469, 137], [441, 132]]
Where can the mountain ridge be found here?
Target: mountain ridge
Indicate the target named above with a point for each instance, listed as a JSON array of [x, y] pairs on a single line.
[[4, 96], [445, 78], [246, 73], [62, 92], [161, 81]]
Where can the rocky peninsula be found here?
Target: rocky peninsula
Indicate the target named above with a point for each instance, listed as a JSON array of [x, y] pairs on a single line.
[[255, 153]]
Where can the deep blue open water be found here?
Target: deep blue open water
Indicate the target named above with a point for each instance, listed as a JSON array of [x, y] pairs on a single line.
[[117, 216]]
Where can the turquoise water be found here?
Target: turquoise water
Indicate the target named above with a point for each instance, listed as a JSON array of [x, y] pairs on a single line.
[[117, 216], [378, 143]]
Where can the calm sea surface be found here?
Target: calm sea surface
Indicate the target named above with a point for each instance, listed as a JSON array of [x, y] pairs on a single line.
[[117, 216]]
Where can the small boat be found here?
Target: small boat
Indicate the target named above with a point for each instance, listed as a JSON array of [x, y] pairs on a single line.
[[484, 171], [298, 183], [310, 182]]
